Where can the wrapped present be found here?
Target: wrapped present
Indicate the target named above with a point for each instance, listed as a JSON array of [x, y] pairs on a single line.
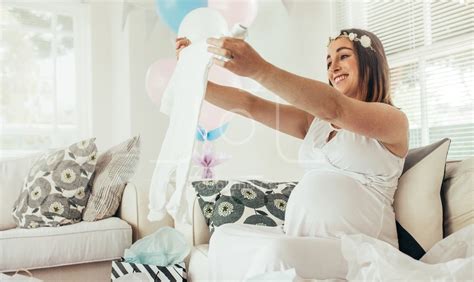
[[176, 272]]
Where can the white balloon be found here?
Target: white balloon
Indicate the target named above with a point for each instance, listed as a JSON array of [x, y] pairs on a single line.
[[203, 23]]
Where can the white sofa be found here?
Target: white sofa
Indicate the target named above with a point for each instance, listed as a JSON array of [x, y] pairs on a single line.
[[198, 236], [76, 252]]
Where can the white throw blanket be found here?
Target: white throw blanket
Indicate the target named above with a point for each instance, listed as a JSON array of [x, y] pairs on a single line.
[[369, 259]]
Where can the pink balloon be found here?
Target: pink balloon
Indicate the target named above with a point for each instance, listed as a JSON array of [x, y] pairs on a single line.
[[212, 117], [236, 11], [157, 77]]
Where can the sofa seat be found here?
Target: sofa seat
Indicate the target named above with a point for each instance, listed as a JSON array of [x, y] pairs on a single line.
[[65, 245], [198, 264]]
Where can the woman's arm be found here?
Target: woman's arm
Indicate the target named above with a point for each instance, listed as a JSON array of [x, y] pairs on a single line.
[[375, 120], [284, 118]]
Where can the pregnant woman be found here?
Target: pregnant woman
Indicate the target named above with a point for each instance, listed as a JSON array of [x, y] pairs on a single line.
[[354, 146]]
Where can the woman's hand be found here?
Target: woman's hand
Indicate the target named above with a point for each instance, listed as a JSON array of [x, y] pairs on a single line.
[[243, 59], [181, 43]]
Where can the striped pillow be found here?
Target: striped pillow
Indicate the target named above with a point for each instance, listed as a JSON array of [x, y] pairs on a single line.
[[417, 201], [114, 169]]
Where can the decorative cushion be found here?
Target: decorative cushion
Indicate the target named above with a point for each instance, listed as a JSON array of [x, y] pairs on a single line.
[[417, 201], [114, 169], [12, 176], [55, 190], [458, 196], [249, 201]]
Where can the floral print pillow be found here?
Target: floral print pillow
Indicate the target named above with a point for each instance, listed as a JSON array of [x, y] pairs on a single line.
[[56, 189], [249, 202]]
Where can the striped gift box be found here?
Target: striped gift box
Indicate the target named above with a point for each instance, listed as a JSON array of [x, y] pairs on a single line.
[[176, 272]]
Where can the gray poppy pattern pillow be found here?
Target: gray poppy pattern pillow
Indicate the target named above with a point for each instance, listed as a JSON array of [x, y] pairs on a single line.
[[238, 201], [56, 190]]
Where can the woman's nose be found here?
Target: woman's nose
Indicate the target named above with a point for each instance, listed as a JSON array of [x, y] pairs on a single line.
[[334, 66]]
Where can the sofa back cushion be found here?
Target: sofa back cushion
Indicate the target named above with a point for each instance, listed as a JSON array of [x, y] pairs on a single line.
[[417, 200], [242, 201], [458, 196], [55, 189], [12, 175]]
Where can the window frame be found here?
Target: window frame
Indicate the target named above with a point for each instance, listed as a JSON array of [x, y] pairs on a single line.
[[343, 13], [80, 12]]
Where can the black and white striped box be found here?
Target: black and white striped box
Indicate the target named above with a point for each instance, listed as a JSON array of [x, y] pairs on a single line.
[[176, 272]]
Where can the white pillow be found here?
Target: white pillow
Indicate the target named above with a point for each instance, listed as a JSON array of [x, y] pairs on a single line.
[[417, 201], [12, 174], [458, 196]]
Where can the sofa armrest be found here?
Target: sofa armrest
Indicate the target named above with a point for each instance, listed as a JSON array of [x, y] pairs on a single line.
[[197, 232], [128, 209], [134, 210]]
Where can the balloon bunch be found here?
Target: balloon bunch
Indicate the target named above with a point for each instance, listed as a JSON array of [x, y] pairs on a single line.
[[172, 12]]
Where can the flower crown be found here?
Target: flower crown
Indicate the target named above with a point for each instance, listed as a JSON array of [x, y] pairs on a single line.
[[364, 39]]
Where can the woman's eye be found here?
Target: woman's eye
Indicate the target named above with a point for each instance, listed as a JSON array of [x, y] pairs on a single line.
[[328, 65], [344, 56]]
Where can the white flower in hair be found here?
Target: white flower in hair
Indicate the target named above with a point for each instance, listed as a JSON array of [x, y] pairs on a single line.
[[365, 41]]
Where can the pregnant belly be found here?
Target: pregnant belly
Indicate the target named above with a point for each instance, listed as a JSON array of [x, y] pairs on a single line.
[[331, 204]]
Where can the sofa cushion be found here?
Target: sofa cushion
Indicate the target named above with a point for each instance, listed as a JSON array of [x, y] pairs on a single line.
[[55, 190], [12, 176], [198, 265], [70, 244], [113, 170], [458, 196], [417, 200], [250, 202]]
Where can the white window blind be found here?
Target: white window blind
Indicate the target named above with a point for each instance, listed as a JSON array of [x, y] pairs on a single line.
[[430, 49], [42, 103]]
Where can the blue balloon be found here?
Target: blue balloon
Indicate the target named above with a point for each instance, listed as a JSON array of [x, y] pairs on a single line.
[[172, 12]]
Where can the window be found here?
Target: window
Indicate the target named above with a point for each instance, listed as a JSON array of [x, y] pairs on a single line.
[[42, 60], [430, 50]]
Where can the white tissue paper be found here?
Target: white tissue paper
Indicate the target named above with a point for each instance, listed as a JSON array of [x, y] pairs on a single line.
[[370, 259]]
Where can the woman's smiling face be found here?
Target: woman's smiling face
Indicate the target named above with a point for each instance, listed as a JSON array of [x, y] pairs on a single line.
[[343, 67]]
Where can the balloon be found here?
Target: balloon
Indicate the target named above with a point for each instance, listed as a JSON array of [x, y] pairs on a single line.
[[201, 24], [157, 77], [236, 11], [172, 12]]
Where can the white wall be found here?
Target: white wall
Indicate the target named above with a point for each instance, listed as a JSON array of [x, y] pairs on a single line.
[[295, 41]]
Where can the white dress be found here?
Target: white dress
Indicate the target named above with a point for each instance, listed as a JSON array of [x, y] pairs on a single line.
[[348, 188]]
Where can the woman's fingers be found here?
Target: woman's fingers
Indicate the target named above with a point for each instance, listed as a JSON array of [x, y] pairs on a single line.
[[223, 42], [182, 41], [221, 63], [220, 52]]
